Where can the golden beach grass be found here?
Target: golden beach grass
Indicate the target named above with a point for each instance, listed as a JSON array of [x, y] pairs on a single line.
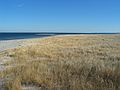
[[78, 62]]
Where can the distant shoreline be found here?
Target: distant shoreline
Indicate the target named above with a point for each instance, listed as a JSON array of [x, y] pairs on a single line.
[[30, 35], [18, 41]]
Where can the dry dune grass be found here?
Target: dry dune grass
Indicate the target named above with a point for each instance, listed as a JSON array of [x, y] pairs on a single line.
[[82, 62]]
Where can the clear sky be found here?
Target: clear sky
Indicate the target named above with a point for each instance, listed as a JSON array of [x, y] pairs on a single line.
[[60, 15]]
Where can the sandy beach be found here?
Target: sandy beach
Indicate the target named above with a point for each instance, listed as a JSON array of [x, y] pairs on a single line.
[[7, 44]]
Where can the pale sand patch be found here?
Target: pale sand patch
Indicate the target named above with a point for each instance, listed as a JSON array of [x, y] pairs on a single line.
[[8, 44], [30, 87]]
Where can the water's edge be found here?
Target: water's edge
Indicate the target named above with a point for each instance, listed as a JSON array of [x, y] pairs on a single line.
[[14, 36]]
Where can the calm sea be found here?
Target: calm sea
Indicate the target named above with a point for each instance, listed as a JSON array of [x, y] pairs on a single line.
[[13, 36]]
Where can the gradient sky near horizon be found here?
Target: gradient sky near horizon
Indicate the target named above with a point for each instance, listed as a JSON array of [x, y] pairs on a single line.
[[60, 16]]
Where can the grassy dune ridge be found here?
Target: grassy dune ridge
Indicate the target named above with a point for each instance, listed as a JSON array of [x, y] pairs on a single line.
[[76, 62]]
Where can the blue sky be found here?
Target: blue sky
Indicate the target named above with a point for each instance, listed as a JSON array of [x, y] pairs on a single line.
[[59, 15]]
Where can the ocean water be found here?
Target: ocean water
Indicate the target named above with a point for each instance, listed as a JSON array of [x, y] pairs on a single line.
[[14, 36]]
